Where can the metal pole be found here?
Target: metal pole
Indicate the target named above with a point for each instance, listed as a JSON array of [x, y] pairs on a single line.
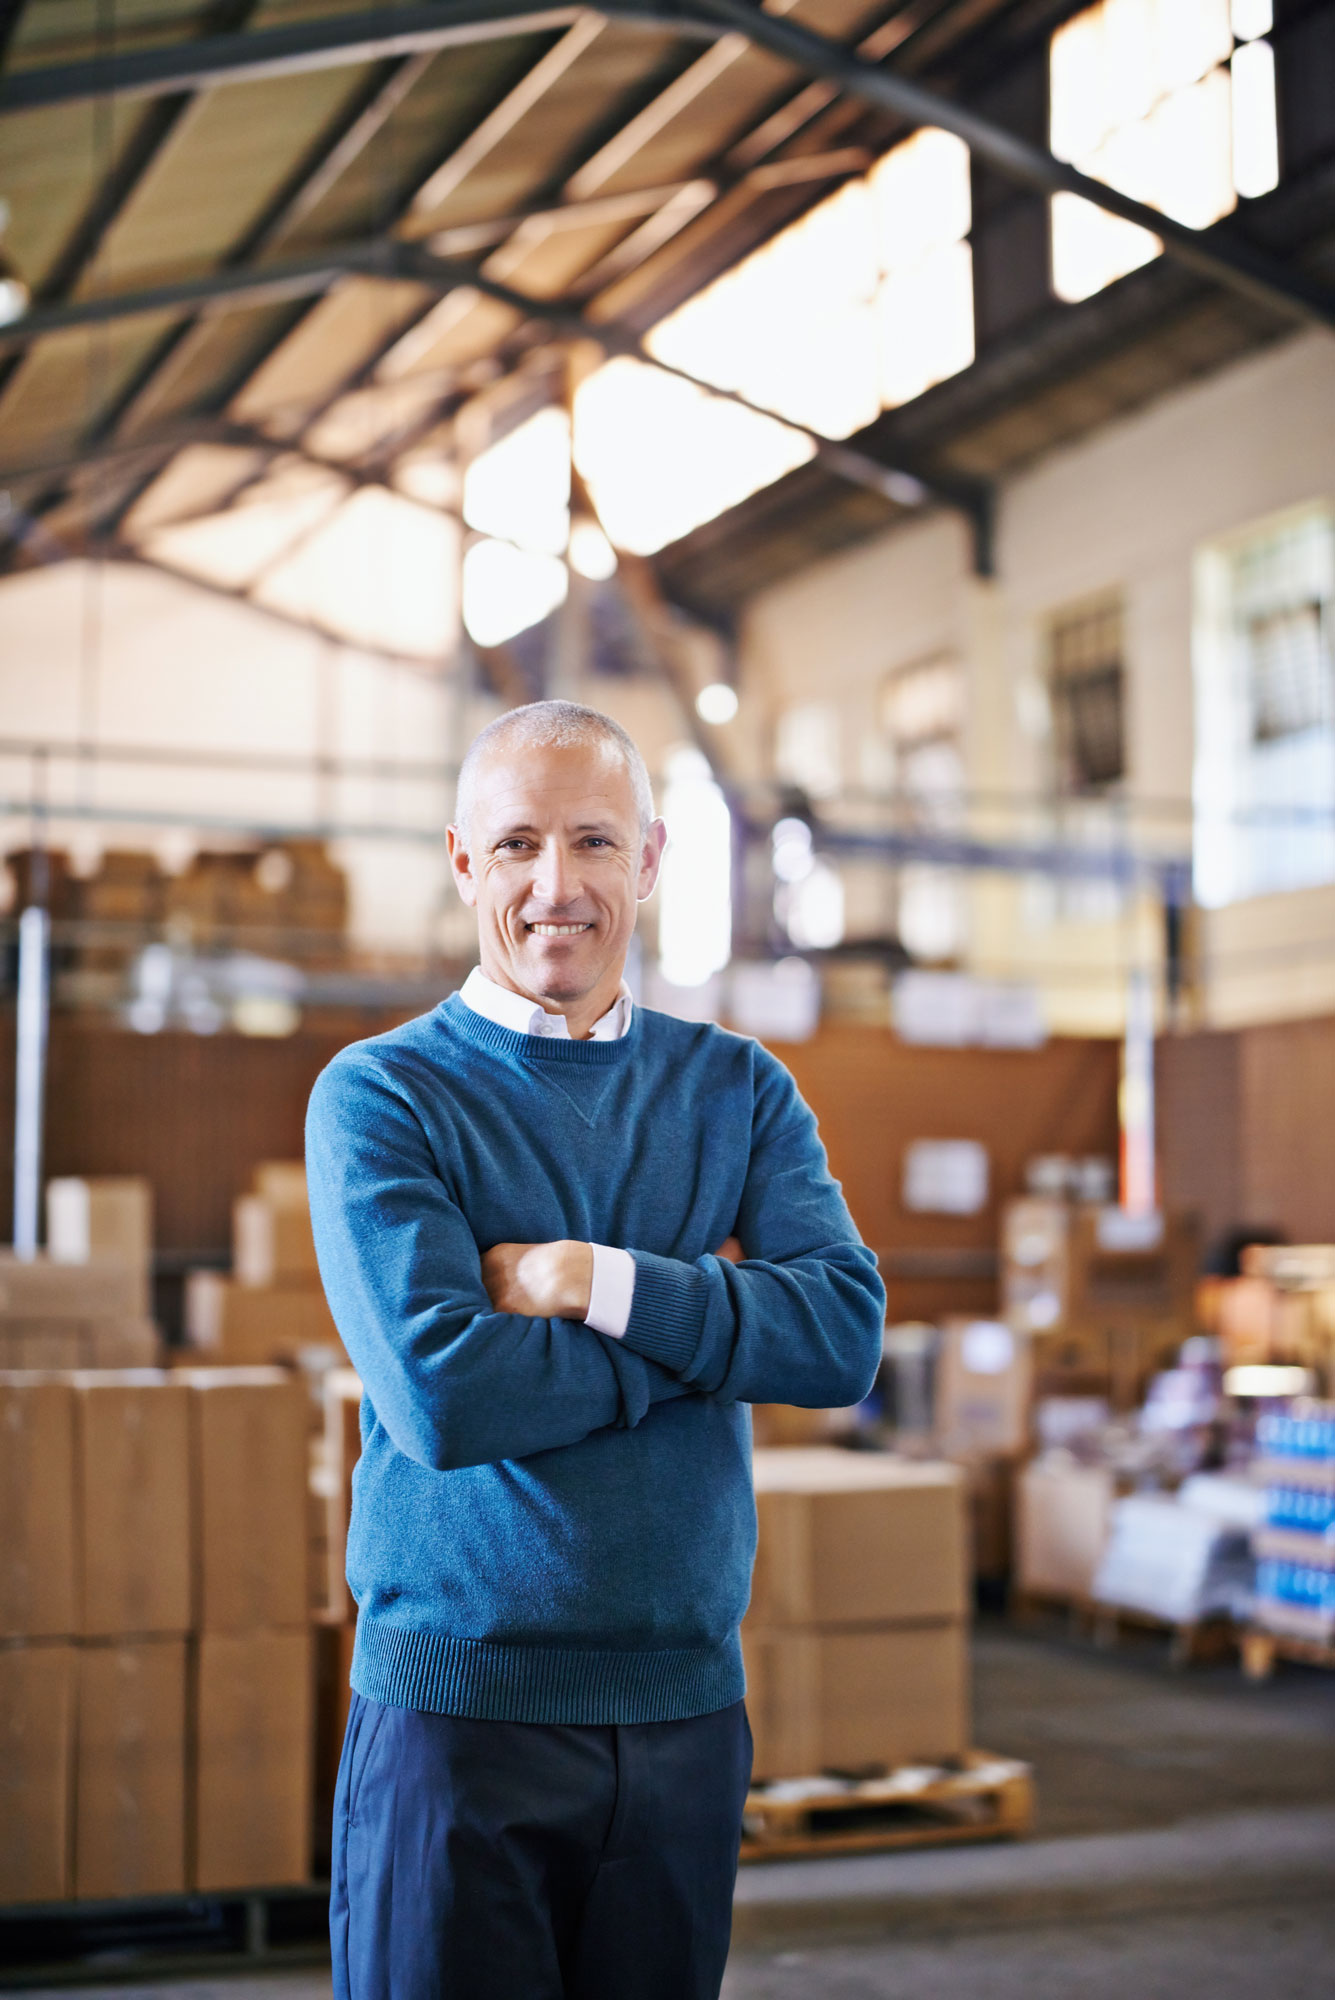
[[30, 1079]]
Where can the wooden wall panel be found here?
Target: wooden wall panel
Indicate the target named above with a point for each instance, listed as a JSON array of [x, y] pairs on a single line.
[[1287, 1089], [872, 1095]]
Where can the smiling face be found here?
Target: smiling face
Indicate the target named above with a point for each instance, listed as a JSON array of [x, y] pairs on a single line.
[[554, 862]]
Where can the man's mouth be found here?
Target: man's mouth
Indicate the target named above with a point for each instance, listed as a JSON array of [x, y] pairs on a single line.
[[558, 930]]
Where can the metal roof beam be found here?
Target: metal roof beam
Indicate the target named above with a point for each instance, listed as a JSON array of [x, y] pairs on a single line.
[[306, 45], [1217, 253]]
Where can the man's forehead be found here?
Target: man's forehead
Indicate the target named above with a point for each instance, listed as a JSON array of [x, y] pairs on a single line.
[[551, 780]]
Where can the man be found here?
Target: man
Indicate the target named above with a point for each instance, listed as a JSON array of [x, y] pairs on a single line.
[[517, 1200]]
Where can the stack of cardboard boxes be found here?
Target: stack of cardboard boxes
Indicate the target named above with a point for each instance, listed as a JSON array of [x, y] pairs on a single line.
[[1107, 1295], [984, 1403], [87, 1302], [155, 1670], [272, 1307], [856, 1638]]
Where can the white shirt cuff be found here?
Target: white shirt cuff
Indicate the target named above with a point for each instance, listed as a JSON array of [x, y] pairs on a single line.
[[612, 1290]]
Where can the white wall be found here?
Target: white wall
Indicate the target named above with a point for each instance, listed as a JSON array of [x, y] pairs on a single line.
[[1127, 507]]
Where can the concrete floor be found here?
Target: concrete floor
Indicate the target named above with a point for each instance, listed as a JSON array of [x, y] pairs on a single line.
[[1185, 1850]]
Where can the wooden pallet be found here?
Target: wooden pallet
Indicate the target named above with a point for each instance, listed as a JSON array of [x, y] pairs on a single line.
[[986, 1798], [1261, 1650], [1208, 1639]]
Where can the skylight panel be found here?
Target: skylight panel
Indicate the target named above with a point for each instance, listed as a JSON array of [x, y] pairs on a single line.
[[1173, 103], [519, 488], [662, 456], [232, 548]]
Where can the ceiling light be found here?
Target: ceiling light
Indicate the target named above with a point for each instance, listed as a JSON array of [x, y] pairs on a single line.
[[716, 703]]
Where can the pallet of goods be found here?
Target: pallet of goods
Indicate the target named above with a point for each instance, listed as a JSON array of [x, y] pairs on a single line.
[[1293, 1614], [856, 1645], [984, 1798], [86, 1302]]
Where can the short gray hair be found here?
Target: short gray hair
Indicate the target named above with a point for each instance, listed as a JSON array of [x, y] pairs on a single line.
[[548, 724]]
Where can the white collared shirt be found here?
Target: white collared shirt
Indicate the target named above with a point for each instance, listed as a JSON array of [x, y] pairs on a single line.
[[612, 1288]]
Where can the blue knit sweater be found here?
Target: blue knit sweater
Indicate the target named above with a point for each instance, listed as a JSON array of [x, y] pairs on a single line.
[[548, 1525]]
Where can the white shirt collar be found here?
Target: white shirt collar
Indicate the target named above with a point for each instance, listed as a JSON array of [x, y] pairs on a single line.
[[525, 1017]]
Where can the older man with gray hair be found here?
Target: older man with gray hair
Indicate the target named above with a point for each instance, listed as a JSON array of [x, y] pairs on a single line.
[[567, 1241]]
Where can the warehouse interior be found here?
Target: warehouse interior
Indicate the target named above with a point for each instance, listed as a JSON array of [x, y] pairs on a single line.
[[913, 422]]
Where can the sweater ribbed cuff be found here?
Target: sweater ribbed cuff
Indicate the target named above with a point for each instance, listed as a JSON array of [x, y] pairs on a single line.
[[667, 1314]]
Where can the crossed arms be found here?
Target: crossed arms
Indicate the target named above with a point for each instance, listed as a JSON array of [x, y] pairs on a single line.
[[471, 1359]]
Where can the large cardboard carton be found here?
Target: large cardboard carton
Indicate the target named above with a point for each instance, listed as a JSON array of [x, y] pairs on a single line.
[[61, 1344], [1062, 1515], [272, 1243], [984, 1389], [339, 1449], [851, 1538], [40, 1288], [333, 1665], [282, 1182], [37, 1572], [36, 1731], [129, 1835], [249, 1463], [107, 1217], [252, 1759], [132, 1432], [857, 1702], [243, 1324]]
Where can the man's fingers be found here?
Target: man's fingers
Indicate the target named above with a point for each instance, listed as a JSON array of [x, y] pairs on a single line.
[[732, 1250]]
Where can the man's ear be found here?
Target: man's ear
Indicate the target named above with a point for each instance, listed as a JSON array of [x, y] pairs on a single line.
[[461, 867], [651, 859]]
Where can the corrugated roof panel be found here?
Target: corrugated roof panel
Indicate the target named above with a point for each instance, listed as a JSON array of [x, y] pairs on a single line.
[[462, 328], [545, 258], [542, 132], [324, 350], [51, 163], [58, 31], [197, 481], [370, 420], [212, 357], [62, 386], [215, 174], [454, 93]]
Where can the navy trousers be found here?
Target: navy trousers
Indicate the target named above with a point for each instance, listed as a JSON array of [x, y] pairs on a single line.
[[534, 1861]]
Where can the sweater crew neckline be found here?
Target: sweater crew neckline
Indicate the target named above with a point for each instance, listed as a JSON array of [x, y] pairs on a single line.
[[482, 1033]]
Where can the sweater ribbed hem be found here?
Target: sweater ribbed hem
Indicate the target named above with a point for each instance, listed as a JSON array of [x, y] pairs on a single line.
[[667, 1313], [491, 1680]]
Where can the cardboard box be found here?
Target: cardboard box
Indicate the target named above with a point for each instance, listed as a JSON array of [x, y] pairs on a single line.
[[38, 1288], [272, 1244], [984, 1389], [244, 1324], [333, 1664], [109, 1217], [249, 1466], [62, 1344], [132, 1437], [1035, 1267], [36, 1731], [282, 1182], [857, 1702], [37, 1549], [340, 1448], [1062, 1516], [252, 1759], [129, 1831], [856, 1538]]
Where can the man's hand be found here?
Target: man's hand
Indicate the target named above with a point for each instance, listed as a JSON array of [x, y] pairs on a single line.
[[539, 1280]]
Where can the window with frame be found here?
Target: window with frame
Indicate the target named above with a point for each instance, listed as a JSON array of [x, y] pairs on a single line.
[[1086, 692], [922, 713], [1173, 103], [1265, 710]]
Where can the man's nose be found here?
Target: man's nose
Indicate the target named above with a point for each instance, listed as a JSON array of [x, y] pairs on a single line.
[[556, 878]]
